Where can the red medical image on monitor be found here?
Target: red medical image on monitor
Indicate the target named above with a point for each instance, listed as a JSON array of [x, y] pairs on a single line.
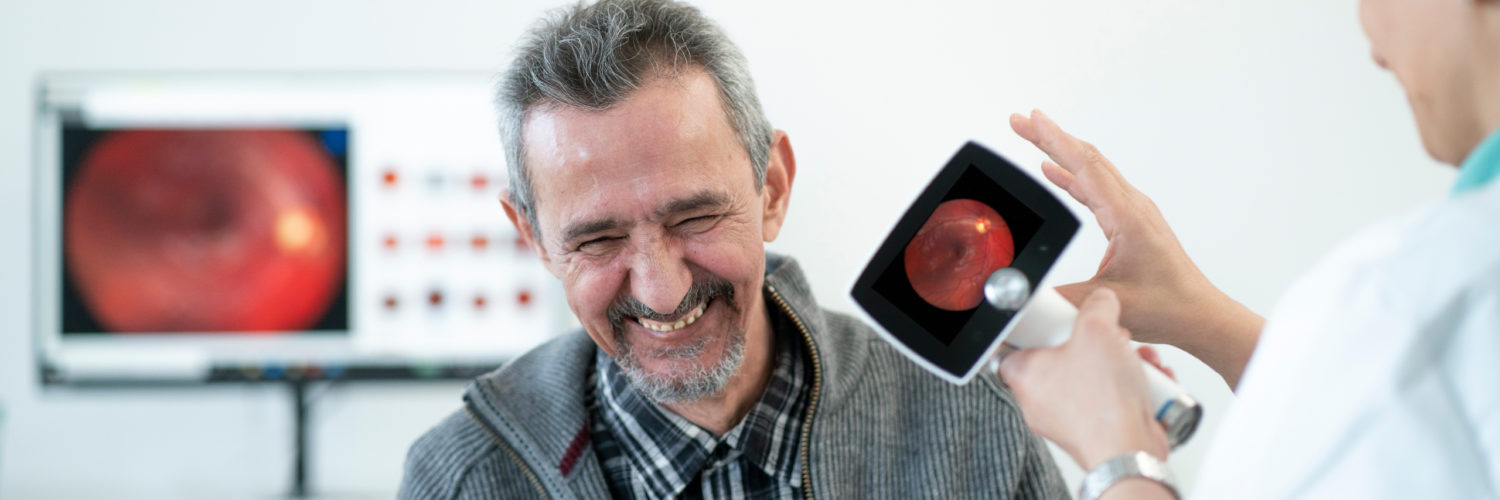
[[204, 230], [949, 259]]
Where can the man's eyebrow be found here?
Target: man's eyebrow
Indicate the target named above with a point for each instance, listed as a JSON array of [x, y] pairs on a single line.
[[590, 227], [694, 202]]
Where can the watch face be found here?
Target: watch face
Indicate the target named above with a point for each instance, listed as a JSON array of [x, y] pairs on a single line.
[[925, 285]]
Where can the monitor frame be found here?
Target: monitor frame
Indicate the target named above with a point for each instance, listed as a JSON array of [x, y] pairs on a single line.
[[262, 99]]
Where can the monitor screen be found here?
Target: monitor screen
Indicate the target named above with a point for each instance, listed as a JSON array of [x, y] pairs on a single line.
[[204, 230]]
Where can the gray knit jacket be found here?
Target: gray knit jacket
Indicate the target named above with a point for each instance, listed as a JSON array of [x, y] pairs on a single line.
[[877, 425]]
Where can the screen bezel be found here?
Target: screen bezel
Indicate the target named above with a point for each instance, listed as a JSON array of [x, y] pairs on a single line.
[[959, 360]]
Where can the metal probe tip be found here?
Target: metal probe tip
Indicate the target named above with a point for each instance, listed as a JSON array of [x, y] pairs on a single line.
[[1007, 289]]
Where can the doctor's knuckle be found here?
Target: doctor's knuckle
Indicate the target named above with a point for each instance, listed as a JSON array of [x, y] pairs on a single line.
[[1091, 154]]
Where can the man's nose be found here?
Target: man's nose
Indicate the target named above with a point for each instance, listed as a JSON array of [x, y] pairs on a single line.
[[658, 276]]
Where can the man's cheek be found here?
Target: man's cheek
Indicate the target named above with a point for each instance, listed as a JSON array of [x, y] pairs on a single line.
[[589, 298], [727, 252]]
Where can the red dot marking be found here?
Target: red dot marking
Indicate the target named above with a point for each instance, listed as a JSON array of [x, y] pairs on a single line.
[[390, 302], [479, 181], [479, 302], [435, 298], [524, 298], [480, 242], [389, 177], [435, 242], [390, 242]]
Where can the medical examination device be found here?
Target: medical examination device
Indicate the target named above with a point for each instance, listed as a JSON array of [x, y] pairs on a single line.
[[963, 273]]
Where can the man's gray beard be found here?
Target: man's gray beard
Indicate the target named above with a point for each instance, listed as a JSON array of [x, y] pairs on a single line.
[[686, 380], [683, 384]]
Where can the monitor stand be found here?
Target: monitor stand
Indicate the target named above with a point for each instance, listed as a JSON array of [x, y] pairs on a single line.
[[299, 431]]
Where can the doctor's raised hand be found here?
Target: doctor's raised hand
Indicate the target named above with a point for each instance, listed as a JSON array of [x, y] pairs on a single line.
[[1163, 296]]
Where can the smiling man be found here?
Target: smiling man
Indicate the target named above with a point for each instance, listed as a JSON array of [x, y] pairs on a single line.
[[654, 224], [648, 180]]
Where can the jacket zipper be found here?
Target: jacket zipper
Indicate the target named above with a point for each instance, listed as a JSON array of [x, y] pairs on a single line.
[[508, 452], [812, 406]]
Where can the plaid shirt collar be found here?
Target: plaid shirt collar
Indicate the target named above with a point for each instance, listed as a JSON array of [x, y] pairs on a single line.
[[666, 452]]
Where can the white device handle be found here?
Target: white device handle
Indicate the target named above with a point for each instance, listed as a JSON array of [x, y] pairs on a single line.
[[1047, 321]]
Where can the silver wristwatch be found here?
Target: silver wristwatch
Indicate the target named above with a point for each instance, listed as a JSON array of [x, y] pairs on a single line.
[[1139, 464]]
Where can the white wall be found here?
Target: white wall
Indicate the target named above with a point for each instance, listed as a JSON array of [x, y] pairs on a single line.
[[1261, 129]]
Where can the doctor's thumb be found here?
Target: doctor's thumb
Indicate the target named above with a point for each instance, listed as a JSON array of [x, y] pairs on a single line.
[[1014, 366]]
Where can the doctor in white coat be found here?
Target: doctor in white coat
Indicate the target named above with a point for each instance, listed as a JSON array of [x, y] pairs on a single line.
[[1378, 373]]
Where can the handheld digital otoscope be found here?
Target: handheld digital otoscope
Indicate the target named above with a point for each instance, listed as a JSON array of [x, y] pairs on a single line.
[[962, 271]]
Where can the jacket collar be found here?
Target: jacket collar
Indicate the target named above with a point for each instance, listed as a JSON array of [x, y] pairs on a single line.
[[837, 356], [536, 403]]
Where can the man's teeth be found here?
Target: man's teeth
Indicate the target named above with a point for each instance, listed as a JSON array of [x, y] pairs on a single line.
[[680, 324]]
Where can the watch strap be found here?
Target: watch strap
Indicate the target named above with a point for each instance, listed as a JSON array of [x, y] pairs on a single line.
[[1138, 464]]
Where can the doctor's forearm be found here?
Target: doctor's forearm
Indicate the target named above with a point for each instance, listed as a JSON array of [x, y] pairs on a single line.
[[1230, 333]]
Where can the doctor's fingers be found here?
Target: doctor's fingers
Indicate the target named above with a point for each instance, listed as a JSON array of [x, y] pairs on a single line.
[[1013, 367], [1149, 355], [1028, 376], [1098, 322], [1027, 372], [1099, 314], [1075, 155], [1079, 167]]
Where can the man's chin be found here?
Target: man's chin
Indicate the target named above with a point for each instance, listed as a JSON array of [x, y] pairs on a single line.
[[674, 369], [681, 380]]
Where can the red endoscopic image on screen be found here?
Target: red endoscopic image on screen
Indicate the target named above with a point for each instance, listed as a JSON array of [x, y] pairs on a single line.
[[206, 230], [954, 252]]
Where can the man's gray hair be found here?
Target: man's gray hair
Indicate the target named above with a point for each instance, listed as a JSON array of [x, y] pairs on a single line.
[[593, 56]]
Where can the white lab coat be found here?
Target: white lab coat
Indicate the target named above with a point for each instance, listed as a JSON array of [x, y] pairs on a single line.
[[1378, 373]]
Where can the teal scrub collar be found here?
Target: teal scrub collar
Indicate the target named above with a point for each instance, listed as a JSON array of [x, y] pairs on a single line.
[[1482, 165]]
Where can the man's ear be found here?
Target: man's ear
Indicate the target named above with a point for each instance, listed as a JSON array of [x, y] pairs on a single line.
[[523, 226], [781, 170]]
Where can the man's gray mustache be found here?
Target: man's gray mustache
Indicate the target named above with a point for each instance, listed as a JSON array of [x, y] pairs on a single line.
[[702, 291]]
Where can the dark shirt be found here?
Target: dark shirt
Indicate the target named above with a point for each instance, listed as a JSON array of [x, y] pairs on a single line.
[[648, 452]]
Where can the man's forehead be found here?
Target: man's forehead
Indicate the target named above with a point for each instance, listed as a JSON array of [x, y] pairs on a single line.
[[643, 185], [668, 141], [664, 111]]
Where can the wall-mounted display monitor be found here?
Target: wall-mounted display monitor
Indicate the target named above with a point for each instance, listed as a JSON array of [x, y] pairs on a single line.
[[253, 226]]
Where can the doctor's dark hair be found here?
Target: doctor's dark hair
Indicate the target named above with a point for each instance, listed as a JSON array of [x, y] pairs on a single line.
[[593, 56]]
